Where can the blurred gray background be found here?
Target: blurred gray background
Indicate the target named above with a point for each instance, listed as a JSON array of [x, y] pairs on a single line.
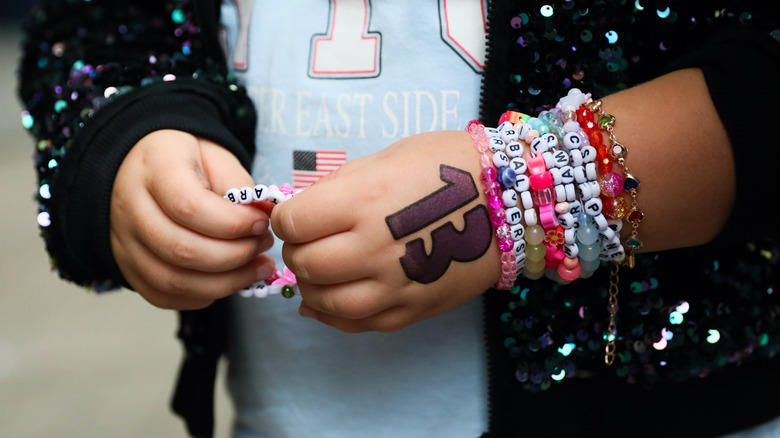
[[72, 364]]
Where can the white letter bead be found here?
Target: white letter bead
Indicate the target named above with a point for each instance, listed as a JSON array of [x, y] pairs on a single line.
[[556, 175], [518, 232], [514, 149], [522, 183], [616, 225], [232, 195], [575, 207], [275, 196], [519, 248], [571, 250], [260, 193], [504, 126], [607, 233], [551, 139], [513, 215], [500, 159], [571, 140], [600, 221], [610, 245], [496, 144], [561, 158], [538, 145], [570, 235], [530, 217], [595, 188], [576, 157], [549, 161], [571, 192], [590, 171], [527, 200], [588, 154], [509, 135], [567, 174], [523, 129], [510, 198], [579, 174], [518, 165], [566, 220], [585, 193], [245, 195], [593, 206], [492, 132], [560, 193]]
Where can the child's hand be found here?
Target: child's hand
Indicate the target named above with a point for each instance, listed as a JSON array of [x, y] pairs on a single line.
[[349, 238], [175, 239]]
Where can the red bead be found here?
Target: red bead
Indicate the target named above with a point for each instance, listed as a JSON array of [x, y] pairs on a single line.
[[589, 126], [584, 114], [596, 139]]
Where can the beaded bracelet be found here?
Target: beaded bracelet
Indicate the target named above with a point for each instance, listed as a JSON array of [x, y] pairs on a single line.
[[282, 282], [491, 154]]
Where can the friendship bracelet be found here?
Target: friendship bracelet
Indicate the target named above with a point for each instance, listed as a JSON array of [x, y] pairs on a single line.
[[282, 282]]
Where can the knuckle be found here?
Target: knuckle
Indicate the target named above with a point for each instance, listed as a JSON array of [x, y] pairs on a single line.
[[183, 252], [183, 208]]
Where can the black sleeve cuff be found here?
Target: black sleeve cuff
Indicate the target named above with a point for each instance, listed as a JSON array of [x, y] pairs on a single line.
[[82, 197]]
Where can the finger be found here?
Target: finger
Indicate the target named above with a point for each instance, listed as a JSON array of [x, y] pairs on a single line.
[[185, 248], [323, 209], [338, 258], [164, 300], [175, 280], [354, 300], [390, 320], [182, 190]]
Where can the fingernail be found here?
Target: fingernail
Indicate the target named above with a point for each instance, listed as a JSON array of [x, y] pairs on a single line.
[[307, 312], [265, 271], [259, 228]]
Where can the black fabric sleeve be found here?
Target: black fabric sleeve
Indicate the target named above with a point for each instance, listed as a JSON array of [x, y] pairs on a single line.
[[83, 195], [96, 77]]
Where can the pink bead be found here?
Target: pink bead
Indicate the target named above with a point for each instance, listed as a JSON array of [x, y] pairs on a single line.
[[544, 196], [541, 181], [554, 253], [535, 164], [567, 273], [571, 263], [547, 216], [495, 202], [486, 160], [507, 257], [488, 174], [498, 217], [506, 244], [611, 184], [492, 188]]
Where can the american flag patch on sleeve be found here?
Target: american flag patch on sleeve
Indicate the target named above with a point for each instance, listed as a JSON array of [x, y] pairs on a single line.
[[309, 166]]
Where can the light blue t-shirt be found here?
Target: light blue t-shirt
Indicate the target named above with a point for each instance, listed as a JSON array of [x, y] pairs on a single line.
[[333, 81]]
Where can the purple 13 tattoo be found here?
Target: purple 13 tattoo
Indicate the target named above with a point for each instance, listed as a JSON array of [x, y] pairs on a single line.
[[449, 244]]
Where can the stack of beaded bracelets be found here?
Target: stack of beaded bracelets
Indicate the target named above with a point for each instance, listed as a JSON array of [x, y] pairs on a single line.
[[282, 282], [553, 197]]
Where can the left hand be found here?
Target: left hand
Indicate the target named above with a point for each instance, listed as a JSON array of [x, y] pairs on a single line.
[[339, 235]]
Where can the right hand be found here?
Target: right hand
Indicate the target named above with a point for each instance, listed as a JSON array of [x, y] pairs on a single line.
[[178, 243]]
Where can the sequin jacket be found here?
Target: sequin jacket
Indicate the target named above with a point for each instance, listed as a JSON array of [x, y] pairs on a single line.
[[697, 328]]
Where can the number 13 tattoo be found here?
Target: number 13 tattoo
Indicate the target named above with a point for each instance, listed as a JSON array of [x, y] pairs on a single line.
[[449, 244]]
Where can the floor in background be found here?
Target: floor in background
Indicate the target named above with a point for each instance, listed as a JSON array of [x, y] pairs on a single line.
[[72, 364]]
